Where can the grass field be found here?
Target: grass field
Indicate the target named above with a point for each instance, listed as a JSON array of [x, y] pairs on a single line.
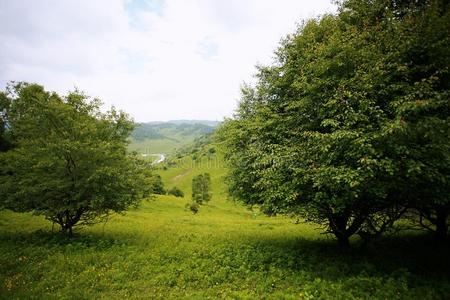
[[162, 251]]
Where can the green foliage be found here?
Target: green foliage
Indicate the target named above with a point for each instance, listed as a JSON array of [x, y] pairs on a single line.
[[176, 192], [157, 185], [422, 124], [212, 150], [201, 188], [70, 161], [350, 126], [193, 207], [201, 191]]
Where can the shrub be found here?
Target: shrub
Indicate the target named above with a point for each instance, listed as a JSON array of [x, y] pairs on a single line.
[[193, 207], [176, 192]]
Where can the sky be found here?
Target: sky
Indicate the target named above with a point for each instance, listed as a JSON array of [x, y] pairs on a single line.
[[157, 60]]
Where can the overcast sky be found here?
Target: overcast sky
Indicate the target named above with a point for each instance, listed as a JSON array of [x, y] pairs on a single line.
[[155, 59]]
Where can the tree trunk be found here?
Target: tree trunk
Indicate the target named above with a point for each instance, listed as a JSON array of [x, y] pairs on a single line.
[[342, 230], [68, 219], [441, 225], [338, 224], [66, 230], [343, 241]]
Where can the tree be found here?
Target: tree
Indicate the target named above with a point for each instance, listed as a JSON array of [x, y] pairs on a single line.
[[157, 185], [324, 135], [201, 185], [70, 161]]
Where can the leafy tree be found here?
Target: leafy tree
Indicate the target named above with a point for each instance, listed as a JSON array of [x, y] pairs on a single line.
[[325, 135], [157, 185], [176, 192], [70, 161], [201, 186]]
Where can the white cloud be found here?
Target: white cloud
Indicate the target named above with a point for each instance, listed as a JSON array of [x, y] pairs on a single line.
[[157, 60]]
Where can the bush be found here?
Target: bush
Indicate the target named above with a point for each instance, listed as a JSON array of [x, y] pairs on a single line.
[[157, 185], [193, 207], [176, 192]]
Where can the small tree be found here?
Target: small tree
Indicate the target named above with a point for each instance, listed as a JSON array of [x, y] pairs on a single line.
[[157, 185], [201, 185], [69, 161]]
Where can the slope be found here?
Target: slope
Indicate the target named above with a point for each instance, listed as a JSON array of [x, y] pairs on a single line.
[[166, 137]]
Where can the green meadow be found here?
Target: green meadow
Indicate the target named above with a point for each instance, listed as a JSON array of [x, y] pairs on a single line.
[[324, 175], [162, 251]]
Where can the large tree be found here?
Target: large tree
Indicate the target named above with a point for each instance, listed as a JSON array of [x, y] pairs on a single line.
[[323, 134], [70, 161]]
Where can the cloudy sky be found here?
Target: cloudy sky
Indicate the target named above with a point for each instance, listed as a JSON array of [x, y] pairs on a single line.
[[155, 59]]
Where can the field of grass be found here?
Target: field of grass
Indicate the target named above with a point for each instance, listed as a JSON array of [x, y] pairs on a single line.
[[162, 251]]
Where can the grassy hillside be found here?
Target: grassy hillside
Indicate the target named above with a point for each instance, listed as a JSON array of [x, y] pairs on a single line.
[[180, 171], [169, 136], [162, 251]]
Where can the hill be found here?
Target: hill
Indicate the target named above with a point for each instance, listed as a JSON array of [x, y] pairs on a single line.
[[203, 122], [167, 137]]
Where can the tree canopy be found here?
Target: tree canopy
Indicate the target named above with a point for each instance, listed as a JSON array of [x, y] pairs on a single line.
[[350, 126], [69, 160]]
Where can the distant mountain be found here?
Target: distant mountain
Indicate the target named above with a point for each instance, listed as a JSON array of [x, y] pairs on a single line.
[[167, 137], [169, 130], [203, 122]]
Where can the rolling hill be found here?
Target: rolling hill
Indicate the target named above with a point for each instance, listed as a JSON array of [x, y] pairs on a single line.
[[167, 137]]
